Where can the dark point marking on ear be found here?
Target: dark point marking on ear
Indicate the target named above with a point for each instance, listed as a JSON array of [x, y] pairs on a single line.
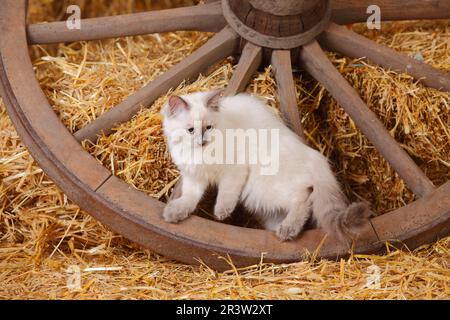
[[176, 104], [213, 102]]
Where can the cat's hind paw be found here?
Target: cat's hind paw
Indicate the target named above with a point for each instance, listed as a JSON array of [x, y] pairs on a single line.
[[175, 212], [287, 232]]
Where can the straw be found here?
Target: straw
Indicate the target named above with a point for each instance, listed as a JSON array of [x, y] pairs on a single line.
[[46, 241]]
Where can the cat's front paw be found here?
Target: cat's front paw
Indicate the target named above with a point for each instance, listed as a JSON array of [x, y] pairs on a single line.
[[175, 211], [287, 232], [221, 212]]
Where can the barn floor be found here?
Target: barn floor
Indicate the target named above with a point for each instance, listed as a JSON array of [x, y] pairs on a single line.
[[46, 240]]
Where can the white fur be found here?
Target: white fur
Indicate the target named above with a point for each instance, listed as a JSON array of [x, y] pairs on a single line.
[[303, 186]]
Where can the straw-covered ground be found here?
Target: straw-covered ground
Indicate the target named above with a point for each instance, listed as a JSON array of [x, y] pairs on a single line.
[[44, 237]]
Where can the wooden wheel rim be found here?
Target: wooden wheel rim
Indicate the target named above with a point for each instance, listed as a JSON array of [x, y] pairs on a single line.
[[138, 217]]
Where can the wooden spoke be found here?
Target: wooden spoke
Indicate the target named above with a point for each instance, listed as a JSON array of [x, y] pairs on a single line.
[[206, 17], [248, 63], [317, 64], [351, 11], [349, 43], [282, 66], [218, 47]]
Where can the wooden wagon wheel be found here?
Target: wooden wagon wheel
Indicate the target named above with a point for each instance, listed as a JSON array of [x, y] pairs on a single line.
[[258, 30]]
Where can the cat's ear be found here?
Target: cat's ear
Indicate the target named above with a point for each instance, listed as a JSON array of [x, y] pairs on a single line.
[[175, 105], [213, 101]]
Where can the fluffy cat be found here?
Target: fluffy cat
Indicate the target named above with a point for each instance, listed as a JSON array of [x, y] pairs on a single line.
[[302, 188]]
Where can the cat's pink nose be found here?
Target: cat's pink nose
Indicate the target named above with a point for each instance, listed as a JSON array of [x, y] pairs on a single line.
[[201, 142]]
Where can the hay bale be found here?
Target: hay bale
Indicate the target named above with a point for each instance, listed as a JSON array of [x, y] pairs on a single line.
[[42, 233]]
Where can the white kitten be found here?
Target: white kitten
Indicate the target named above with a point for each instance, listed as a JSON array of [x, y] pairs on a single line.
[[302, 185]]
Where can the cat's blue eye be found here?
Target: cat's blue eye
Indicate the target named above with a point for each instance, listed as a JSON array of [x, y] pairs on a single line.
[[208, 127], [190, 130]]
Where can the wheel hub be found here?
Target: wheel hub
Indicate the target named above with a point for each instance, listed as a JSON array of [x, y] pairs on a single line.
[[277, 25]]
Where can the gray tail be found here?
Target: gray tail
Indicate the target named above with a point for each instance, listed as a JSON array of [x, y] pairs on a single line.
[[347, 224], [333, 213]]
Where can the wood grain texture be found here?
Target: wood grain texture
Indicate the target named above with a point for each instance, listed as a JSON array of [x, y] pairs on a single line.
[[282, 67], [351, 11], [283, 7], [220, 46], [249, 62], [206, 17], [340, 39], [315, 61], [425, 220], [268, 23]]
